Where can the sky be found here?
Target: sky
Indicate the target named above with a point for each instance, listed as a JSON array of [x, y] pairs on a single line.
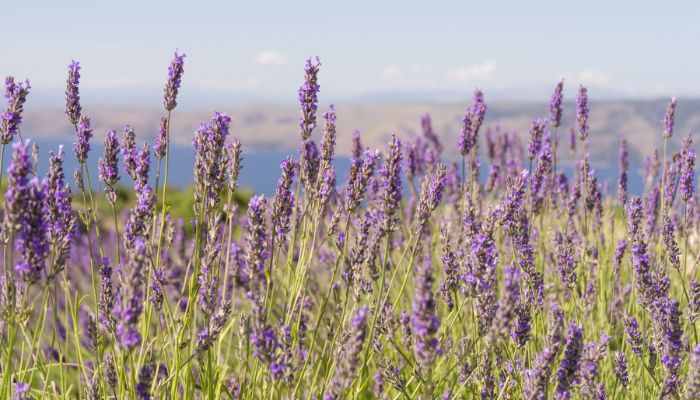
[[254, 52]]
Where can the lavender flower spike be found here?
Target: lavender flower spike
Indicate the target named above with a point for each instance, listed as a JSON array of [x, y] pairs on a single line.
[[692, 385], [582, 112], [424, 319], [555, 105], [31, 240], [687, 170], [283, 204], [172, 86], [308, 98], [10, 120], [73, 108], [669, 118], [108, 170], [354, 341], [624, 166], [390, 189], [59, 216], [161, 144], [84, 134], [568, 369]]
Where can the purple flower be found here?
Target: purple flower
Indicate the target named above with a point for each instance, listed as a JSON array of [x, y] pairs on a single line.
[[256, 254], [161, 144], [589, 371], [235, 158], [669, 118], [694, 301], [106, 303], [622, 180], [73, 108], [143, 387], [10, 120], [687, 169], [430, 197], [555, 105], [329, 135], [352, 349], [308, 98], [129, 152], [130, 304], [138, 224], [471, 122], [21, 391], [210, 333], [565, 251], [535, 380], [31, 240], [172, 86], [620, 368], [18, 187], [360, 175], [60, 220], [390, 186], [84, 134], [283, 203], [424, 320], [108, 168], [632, 334], [582, 112], [672, 345], [536, 132], [210, 162], [692, 384], [510, 297], [670, 245], [308, 170], [569, 367]]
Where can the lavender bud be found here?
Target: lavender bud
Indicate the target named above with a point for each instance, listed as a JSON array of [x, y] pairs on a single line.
[[424, 320], [569, 367], [84, 134], [235, 160], [283, 203], [161, 144], [11, 119], [172, 86], [620, 368], [692, 385], [582, 112], [555, 105], [687, 170], [73, 108], [308, 98], [669, 118], [108, 168]]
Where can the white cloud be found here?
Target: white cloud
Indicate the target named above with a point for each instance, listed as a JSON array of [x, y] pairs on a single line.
[[391, 72], [588, 77], [594, 77], [270, 57], [478, 71]]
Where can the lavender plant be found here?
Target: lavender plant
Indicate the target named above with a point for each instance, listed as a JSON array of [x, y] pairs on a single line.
[[408, 279]]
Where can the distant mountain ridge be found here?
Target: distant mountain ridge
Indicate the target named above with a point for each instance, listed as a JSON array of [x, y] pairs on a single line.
[[276, 126]]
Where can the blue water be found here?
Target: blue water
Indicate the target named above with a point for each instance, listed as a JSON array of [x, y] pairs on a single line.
[[260, 168]]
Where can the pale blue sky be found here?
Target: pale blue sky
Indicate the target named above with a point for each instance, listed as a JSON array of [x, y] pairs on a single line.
[[254, 51]]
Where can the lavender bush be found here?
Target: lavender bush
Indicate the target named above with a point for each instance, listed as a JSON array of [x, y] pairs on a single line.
[[409, 278]]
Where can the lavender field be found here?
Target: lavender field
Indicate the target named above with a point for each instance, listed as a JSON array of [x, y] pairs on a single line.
[[498, 276]]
